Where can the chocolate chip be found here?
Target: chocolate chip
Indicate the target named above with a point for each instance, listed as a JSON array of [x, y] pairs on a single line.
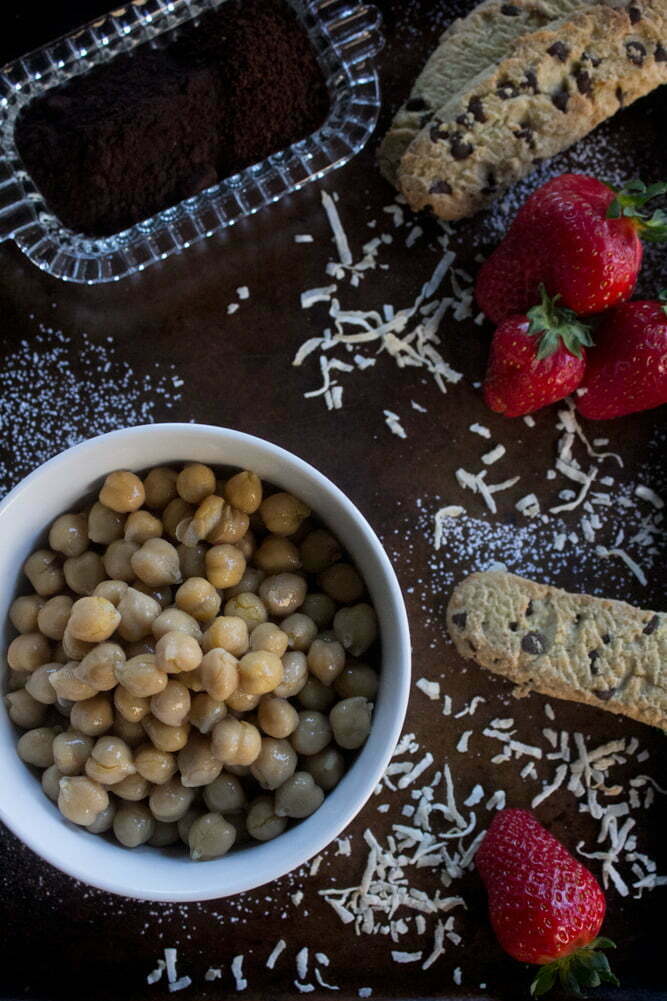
[[660, 53], [460, 148], [583, 81], [560, 99], [634, 13], [526, 133], [425, 119], [577, 618], [559, 51], [436, 134], [651, 626], [531, 81], [586, 57], [506, 90], [606, 639], [537, 160], [604, 696], [416, 104], [440, 188], [592, 657], [476, 109], [464, 120], [459, 619], [529, 609], [620, 97], [636, 53], [534, 643], [514, 626], [491, 184], [509, 10]]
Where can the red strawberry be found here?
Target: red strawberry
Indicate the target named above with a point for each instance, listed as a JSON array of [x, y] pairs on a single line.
[[544, 905], [535, 359], [627, 370], [578, 237]]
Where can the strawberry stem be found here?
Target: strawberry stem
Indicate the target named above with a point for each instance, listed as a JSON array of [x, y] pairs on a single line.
[[585, 967], [629, 204], [555, 324]]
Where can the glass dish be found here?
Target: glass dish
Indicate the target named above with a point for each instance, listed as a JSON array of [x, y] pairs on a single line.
[[345, 36]]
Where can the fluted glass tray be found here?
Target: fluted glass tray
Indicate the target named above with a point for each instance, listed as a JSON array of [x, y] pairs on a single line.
[[345, 35]]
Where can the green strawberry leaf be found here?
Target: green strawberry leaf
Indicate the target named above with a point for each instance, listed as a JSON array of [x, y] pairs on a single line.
[[555, 324], [544, 980], [629, 204], [584, 968]]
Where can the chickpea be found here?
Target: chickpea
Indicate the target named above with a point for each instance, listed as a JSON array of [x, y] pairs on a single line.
[[132, 788], [206, 711], [235, 742], [156, 563], [164, 737], [142, 526], [196, 763], [267, 636], [225, 794], [163, 595], [17, 679], [260, 672], [244, 491], [300, 630], [198, 598], [315, 695], [93, 620], [262, 822], [53, 616], [298, 796], [173, 620], [103, 821], [342, 583], [320, 608], [68, 686], [357, 679], [172, 705], [163, 835], [356, 628], [320, 550], [104, 525], [240, 702], [122, 491], [132, 708], [110, 761], [83, 573], [74, 648], [326, 658], [113, 590], [173, 515], [249, 607], [24, 710], [225, 565], [231, 527], [195, 482], [35, 747], [24, 612], [185, 823], [211, 836], [51, 782], [192, 680], [277, 717], [71, 750], [81, 800], [229, 632], [250, 582], [92, 716], [160, 487], [247, 545], [147, 645], [327, 767], [44, 571], [137, 612], [274, 764], [132, 733], [141, 675], [154, 765], [170, 801], [69, 534], [283, 593], [192, 560], [277, 555], [98, 667], [282, 513], [312, 734], [186, 534], [59, 656], [351, 722], [133, 825], [39, 685], [28, 651], [117, 560], [295, 675], [177, 652], [219, 673]]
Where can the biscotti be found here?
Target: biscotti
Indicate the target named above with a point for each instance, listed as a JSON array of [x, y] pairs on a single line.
[[569, 646], [470, 45], [558, 84]]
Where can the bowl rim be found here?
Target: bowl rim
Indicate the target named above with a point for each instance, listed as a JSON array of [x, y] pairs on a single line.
[[309, 837]]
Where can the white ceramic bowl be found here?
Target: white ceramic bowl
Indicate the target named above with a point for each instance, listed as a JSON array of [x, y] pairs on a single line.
[[145, 872]]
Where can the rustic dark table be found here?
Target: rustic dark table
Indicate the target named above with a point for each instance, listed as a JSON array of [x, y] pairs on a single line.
[[61, 939]]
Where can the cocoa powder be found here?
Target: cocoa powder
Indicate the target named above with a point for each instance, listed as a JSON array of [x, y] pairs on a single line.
[[127, 139]]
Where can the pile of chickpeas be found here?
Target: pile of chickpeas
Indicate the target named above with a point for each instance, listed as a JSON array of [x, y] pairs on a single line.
[[189, 665]]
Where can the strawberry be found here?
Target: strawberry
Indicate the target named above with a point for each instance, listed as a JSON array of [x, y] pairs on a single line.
[[627, 370], [544, 905], [535, 359], [578, 237]]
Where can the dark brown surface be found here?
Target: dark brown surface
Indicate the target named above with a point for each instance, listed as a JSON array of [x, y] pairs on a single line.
[[62, 940]]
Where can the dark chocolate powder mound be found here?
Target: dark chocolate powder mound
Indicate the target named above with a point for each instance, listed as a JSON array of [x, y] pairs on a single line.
[[135, 136]]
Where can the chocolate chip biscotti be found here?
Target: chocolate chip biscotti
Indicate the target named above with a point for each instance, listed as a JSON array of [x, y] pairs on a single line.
[[557, 85], [471, 45], [570, 646]]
